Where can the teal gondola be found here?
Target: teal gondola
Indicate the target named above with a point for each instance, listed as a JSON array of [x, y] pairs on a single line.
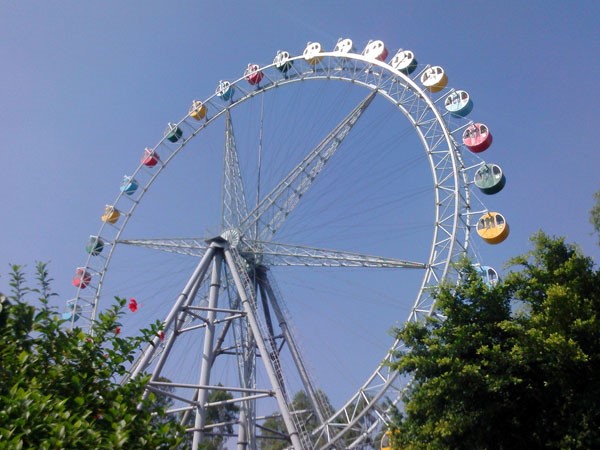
[[490, 179], [404, 61], [173, 133], [95, 246]]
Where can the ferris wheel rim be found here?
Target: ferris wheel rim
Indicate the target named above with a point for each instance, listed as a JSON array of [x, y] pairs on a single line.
[[437, 267]]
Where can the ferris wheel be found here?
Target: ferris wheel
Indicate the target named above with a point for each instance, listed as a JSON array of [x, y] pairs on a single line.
[[301, 212]]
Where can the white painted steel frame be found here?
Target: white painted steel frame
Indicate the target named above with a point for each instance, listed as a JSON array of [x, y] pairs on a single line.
[[365, 411]]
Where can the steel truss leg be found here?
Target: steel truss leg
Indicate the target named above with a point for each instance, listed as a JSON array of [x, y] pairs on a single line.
[[207, 353], [218, 254], [270, 369], [185, 296], [265, 284]]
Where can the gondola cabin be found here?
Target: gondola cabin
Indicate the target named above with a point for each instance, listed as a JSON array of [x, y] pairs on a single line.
[[198, 110], [386, 441], [489, 179], [253, 75], [404, 61], [82, 278], [488, 275], [173, 133], [459, 103], [225, 90], [150, 157], [95, 246], [434, 79], [375, 50], [477, 137], [492, 228], [129, 185], [312, 53], [282, 61], [72, 312], [111, 214], [344, 46]]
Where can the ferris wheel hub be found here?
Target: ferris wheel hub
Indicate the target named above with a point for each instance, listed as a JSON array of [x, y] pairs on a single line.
[[233, 236]]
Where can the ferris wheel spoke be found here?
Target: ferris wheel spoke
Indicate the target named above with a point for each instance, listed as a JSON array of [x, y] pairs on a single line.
[[272, 211], [234, 199], [183, 246], [276, 254]]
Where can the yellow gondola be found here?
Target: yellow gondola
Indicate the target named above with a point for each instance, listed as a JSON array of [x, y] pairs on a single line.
[[434, 79], [386, 441], [198, 110], [312, 53], [111, 214], [492, 228]]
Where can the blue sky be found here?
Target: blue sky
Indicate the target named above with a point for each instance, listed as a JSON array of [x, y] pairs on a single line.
[[85, 86]]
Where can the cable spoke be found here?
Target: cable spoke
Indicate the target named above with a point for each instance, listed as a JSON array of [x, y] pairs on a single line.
[[272, 211], [276, 254], [183, 246], [279, 254]]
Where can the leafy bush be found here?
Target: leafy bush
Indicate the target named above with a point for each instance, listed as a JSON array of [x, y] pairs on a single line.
[[60, 388]]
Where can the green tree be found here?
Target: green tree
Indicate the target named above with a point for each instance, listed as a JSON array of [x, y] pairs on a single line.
[[514, 366], [274, 433], [60, 388], [595, 214], [224, 414]]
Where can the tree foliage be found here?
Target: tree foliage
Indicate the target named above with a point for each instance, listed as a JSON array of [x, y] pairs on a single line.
[[274, 435], [514, 366], [223, 415], [60, 388], [595, 214]]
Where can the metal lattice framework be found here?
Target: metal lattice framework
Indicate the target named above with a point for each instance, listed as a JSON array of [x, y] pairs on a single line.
[[232, 303]]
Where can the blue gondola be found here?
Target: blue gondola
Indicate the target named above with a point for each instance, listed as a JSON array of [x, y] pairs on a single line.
[[459, 103], [72, 312], [129, 185], [488, 274], [225, 91]]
